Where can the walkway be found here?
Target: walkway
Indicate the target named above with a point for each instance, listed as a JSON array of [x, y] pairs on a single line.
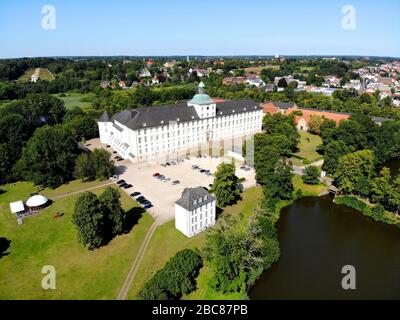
[[83, 190], [123, 292]]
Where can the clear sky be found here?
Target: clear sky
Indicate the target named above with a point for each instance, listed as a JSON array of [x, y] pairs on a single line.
[[203, 27]]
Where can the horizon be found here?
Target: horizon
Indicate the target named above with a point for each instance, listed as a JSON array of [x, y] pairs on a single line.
[[213, 29]]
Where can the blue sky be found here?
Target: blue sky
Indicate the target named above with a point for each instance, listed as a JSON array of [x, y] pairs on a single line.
[[206, 27]]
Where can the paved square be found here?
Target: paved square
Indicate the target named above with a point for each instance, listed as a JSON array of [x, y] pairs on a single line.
[[163, 194]]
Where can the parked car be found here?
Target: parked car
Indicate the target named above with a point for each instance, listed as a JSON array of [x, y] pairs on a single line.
[[121, 181], [163, 165], [123, 185], [176, 182], [128, 185], [114, 178], [202, 170], [243, 167], [247, 169], [148, 206], [160, 177], [166, 179], [140, 198], [168, 164], [173, 162], [134, 194], [156, 174], [195, 167]]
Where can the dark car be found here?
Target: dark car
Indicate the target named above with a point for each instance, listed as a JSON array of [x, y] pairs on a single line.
[[140, 198], [203, 171], [156, 174], [148, 206], [134, 194], [168, 164], [123, 185], [121, 181], [128, 186]]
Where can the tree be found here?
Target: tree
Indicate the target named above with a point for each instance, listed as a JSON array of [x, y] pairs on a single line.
[[49, 157], [377, 212], [83, 127], [352, 168], [311, 175], [89, 220], [232, 252], [104, 167], [279, 186], [114, 214], [315, 124], [284, 125], [282, 83], [226, 184], [178, 277], [332, 153], [84, 168]]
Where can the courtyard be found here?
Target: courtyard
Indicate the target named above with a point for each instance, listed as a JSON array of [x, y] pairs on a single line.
[[164, 194]]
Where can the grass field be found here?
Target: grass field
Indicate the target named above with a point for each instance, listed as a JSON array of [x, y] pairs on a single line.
[[307, 149], [307, 189], [43, 240], [167, 241], [44, 74], [80, 100]]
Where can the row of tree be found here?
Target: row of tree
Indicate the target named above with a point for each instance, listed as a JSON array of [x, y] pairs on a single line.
[[356, 174]]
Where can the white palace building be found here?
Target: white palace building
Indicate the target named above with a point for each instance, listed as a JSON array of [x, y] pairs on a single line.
[[171, 130]]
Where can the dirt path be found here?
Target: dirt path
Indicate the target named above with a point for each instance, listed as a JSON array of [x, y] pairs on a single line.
[[80, 191], [123, 292]]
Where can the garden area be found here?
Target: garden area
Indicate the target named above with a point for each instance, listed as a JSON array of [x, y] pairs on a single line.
[[167, 241], [43, 240]]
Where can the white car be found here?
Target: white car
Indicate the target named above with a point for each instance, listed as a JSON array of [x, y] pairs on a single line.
[[114, 178]]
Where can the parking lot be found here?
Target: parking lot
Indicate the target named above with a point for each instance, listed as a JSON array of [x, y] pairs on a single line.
[[164, 194]]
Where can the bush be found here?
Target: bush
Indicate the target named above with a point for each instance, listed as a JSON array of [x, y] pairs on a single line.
[[178, 277], [311, 175]]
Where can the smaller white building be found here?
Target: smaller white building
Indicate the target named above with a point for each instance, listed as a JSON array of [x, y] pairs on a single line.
[[194, 211]]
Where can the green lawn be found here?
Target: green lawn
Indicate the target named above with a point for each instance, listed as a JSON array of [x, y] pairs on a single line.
[[167, 241], [307, 189], [43, 240], [80, 100], [307, 149], [44, 74]]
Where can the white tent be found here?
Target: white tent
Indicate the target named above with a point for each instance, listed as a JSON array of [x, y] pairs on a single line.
[[36, 201], [17, 207]]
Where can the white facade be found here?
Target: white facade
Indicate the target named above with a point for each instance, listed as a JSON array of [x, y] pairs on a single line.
[[170, 133], [192, 222]]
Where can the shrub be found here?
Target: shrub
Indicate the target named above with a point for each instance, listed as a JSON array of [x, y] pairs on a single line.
[[178, 277]]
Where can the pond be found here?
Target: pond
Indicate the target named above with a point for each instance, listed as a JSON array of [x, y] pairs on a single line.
[[318, 238]]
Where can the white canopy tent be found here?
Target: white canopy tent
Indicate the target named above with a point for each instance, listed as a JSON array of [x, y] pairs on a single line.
[[36, 201], [17, 207]]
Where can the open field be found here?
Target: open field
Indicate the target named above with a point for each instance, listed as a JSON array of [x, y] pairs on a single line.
[[43, 240], [257, 70], [44, 74], [307, 149], [80, 100], [167, 241]]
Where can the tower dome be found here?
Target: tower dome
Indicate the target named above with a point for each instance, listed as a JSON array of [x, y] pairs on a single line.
[[201, 97]]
